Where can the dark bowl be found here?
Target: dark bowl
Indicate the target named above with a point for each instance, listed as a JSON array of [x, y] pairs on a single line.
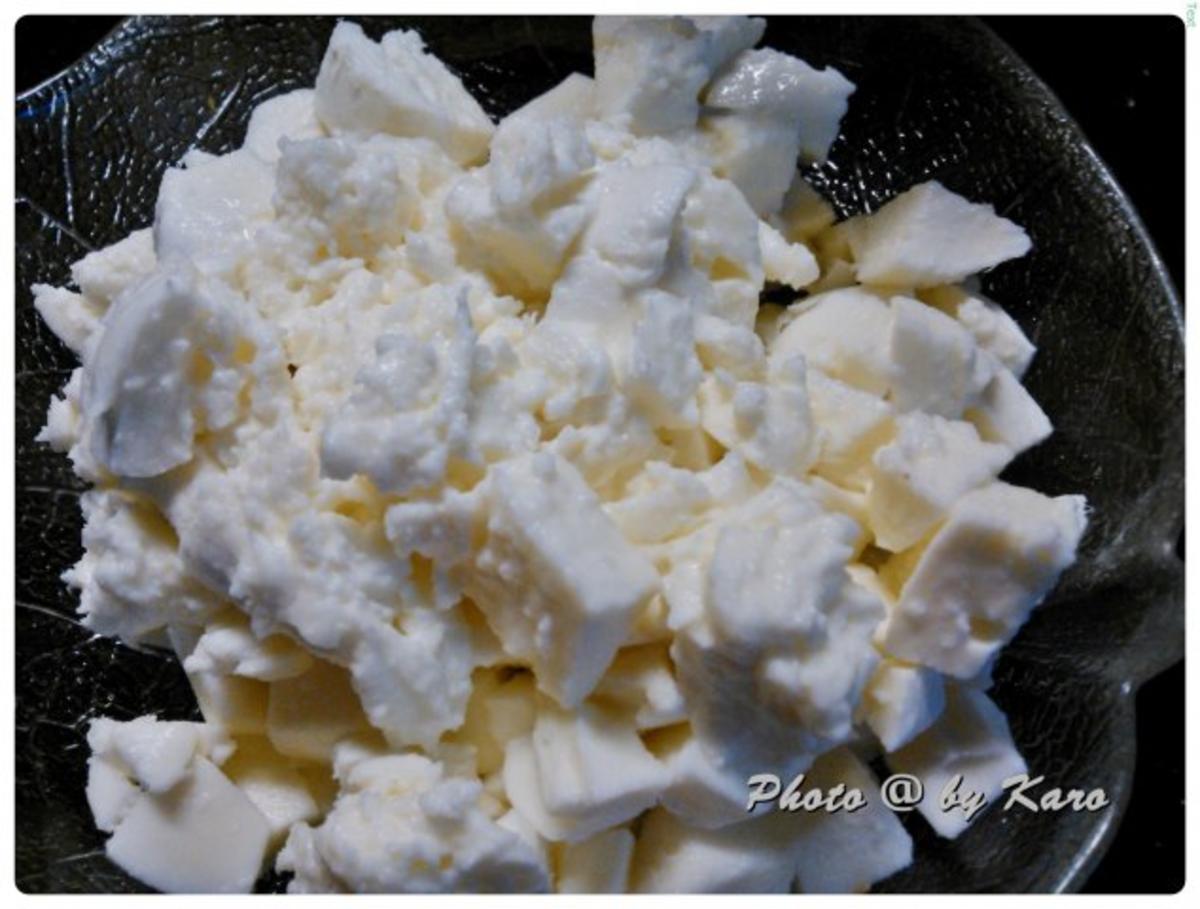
[[937, 98]]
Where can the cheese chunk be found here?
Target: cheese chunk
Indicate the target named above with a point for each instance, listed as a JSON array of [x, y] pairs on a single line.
[[845, 334], [920, 474], [274, 787], [671, 857], [769, 424], [847, 852], [177, 822], [403, 825], [817, 852], [787, 263], [291, 116], [636, 212], [397, 87], [177, 353], [1000, 551], [517, 217], [971, 739], [853, 424], [994, 330], [132, 580], [662, 372], [641, 681], [208, 210], [929, 235], [310, 713], [559, 584], [805, 212], [901, 702], [650, 71], [936, 365], [102, 275], [702, 791], [1006, 413], [767, 110], [206, 836], [599, 864], [786, 629], [154, 754], [575, 793]]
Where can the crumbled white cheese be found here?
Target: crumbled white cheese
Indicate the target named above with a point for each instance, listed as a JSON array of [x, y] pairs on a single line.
[[970, 740], [928, 235], [996, 557], [500, 530]]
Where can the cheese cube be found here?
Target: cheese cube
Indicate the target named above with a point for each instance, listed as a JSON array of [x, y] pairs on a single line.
[[700, 791], [558, 583], [291, 116], [576, 754], [397, 87], [1007, 413], [516, 218], [153, 753], [662, 371], [769, 424], [204, 836], [641, 681], [917, 476], [650, 70], [599, 864], [937, 366], [845, 334], [847, 852], [308, 714], [853, 425], [661, 502], [750, 857], [767, 110], [901, 702], [970, 739], [208, 210], [562, 778], [994, 330], [999, 553], [636, 212], [929, 235], [787, 263], [272, 784]]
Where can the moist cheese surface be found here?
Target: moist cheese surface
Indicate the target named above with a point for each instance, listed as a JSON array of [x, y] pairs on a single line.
[[500, 530]]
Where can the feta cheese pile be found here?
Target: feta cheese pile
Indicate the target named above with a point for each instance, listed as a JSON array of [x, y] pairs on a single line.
[[501, 531]]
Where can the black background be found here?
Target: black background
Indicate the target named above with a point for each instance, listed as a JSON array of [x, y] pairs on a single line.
[[1122, 79]]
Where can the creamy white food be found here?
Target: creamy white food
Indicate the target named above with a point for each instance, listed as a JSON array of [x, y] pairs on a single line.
[[501, 532]]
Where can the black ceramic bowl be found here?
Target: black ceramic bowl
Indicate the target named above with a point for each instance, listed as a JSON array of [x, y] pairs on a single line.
[[936, 98]]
